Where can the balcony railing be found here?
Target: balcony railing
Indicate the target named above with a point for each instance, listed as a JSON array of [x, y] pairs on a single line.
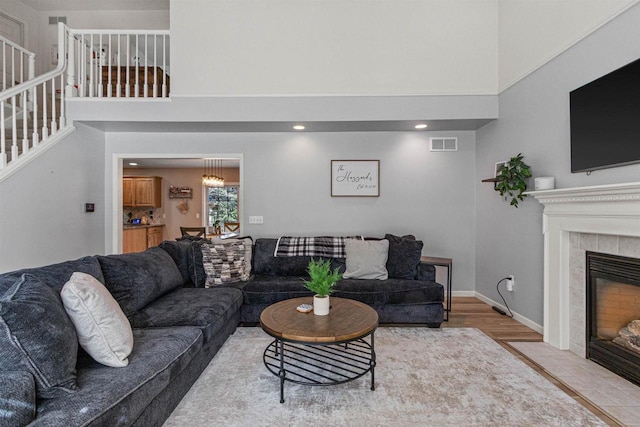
[[118, 64]]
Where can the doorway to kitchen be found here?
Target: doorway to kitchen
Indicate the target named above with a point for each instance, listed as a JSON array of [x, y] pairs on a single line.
[[184, 198]]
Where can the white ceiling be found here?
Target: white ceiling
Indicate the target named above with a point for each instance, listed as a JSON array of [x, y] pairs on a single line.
[[61, 5]]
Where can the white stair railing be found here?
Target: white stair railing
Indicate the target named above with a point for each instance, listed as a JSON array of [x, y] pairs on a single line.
[[104, 64], [118, 63], [31, 127], [17, 65]]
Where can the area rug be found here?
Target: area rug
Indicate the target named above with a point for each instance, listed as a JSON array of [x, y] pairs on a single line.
[[424, 377]]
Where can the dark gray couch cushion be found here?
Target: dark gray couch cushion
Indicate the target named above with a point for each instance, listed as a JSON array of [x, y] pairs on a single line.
[[37, 336], [265, 263], [56, 275], [390, 291], [404, 256], [179, 252], [136, 279], [17, 398], [270, 289], [117, 396], [208, 309]]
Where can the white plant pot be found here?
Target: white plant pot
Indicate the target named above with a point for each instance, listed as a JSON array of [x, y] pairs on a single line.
[[320, 305]]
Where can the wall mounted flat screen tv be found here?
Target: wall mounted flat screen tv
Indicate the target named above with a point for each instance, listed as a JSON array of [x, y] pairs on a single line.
[[605, 121]]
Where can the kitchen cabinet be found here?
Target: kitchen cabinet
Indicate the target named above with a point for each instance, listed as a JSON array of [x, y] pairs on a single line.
[[134, 240], [127, 192], [142, 191], [154, 236], [140, 238]]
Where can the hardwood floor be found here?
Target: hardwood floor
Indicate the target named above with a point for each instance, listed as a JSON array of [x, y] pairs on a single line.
[[470, 312]]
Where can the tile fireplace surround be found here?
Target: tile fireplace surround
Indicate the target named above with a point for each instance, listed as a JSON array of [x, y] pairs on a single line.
[[604, 218]]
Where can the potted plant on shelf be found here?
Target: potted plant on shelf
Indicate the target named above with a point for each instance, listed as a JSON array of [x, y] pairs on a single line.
[[321, 284], [511, 181]]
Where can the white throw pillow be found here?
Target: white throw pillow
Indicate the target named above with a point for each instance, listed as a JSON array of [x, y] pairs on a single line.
[[103, 330], [366, 259]]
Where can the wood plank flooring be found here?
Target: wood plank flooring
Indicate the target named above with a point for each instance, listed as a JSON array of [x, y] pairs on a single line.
[[470, 312]]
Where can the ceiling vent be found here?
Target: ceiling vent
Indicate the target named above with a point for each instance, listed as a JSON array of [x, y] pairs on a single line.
[[443, 144], [53, 20]]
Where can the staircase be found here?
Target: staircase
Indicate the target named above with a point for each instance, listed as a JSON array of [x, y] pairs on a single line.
[[104, 64]]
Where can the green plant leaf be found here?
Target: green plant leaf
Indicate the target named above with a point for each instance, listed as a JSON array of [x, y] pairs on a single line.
[[322, 279], [511, 182]]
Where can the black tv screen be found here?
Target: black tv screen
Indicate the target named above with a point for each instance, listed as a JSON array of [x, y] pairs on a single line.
[[605, 121]]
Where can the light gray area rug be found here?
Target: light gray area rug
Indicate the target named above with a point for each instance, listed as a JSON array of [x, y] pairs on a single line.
[[424, 377]]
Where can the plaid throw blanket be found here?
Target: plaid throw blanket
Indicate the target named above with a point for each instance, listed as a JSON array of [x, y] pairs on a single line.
[[323, 246]]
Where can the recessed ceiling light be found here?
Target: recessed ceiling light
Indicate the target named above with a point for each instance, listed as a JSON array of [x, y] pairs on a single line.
[[421, 126], [133, 164], [298, 127]]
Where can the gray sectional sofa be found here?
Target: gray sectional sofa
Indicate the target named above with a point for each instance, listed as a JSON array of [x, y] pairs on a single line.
[[46, 379]]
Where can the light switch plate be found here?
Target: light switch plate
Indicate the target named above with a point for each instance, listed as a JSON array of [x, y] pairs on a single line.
[[256, 220]]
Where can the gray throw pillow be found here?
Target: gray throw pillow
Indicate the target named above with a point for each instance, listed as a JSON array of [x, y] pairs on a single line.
[[37, 336], [17, 398], [366, 259]]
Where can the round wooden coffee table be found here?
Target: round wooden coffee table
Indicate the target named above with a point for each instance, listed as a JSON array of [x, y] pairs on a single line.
[[320, 350]]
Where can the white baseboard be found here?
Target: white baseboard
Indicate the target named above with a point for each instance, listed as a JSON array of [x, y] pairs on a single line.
[[520, 318], [463, 293]]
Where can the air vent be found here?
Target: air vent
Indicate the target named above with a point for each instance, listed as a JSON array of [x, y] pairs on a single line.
[[443, 144], [53, 20]]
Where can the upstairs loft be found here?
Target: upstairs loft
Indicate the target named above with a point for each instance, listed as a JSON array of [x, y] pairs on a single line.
[[105, 75]]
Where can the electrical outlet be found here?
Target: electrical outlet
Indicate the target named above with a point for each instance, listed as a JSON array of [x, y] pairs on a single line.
[[511, 281]]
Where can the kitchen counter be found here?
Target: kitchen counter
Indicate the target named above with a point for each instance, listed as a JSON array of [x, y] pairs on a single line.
[[141, 226]]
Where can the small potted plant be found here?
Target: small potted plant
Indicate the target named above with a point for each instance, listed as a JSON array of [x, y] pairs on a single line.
[[511, 181], [321, 284]]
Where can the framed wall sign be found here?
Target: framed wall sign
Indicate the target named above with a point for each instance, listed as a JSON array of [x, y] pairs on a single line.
[[355, 178]]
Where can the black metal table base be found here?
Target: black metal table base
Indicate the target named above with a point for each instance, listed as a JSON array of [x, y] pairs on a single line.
[[320, 364]]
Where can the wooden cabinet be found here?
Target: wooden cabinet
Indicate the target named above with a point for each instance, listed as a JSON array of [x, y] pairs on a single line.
[[134, 240], [138, 239], [154, 236], [142, 191], [127, 192]]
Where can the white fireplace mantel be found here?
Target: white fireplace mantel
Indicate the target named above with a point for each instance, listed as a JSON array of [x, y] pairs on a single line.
[[603, 209]]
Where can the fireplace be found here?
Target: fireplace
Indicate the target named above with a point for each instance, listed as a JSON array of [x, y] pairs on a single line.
[[608, 217], [613, 313]]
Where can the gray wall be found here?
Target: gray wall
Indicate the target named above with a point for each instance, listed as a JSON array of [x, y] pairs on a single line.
[[41, 206], [287, 177], [534, 120]]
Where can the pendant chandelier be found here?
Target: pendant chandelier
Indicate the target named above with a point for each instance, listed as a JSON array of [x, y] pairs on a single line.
[[212, 173]]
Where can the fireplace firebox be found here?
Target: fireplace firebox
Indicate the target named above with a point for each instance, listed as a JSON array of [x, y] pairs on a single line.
[[613, 313]]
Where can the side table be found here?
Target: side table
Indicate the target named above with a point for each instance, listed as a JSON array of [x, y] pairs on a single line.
[[442, 262]]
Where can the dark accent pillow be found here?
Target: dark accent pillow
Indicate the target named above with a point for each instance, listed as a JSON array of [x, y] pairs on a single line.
[[179, 252], [137, 279], [37, 336], [264, 261], [17, 398], [404, 256]]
